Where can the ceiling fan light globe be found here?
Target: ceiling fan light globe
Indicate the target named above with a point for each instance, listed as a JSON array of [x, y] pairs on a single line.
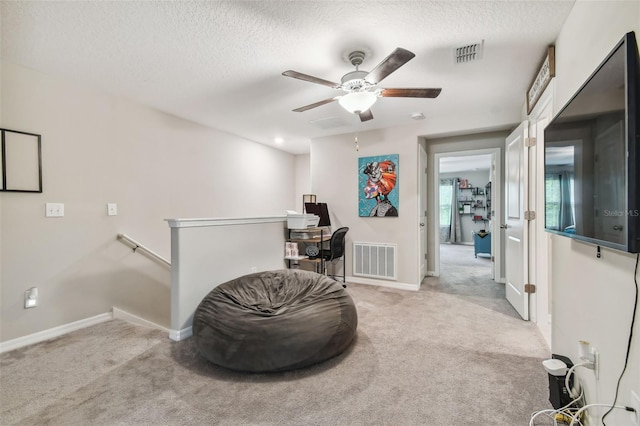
[[357, 102]]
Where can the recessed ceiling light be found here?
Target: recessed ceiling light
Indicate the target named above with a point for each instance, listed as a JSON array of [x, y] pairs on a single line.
[[278, 140], [417, 116]]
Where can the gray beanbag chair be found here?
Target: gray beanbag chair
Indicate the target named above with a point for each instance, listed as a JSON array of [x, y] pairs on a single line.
[[274, 321]]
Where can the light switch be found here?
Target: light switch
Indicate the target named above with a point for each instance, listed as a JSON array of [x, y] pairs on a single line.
[[54, 209], [112, 209]]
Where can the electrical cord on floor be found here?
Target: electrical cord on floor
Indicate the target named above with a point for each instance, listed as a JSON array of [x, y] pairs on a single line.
[[578, 413], [626, 358], [554, 413]]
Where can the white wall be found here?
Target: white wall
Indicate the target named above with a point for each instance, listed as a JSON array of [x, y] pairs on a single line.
[[334, 168], [99, 148], [593, 298], [1, 121], [303, 179], [209, 252]]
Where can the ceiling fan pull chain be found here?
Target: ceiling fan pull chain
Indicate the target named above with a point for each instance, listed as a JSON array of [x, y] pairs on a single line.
[[355, 125]]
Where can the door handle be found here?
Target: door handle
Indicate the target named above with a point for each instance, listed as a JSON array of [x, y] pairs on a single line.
[[504, 226], [421, 223], [617, 227]]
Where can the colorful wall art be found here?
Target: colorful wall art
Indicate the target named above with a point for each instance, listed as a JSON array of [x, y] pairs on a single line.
[[378, 186]]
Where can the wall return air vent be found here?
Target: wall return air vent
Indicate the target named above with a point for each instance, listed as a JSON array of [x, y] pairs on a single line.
[[468, 53], [375, 260]]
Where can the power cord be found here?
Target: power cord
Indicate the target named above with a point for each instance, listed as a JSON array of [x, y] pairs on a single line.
[[588, 364], [626, 358], [564, 411], [577, 415]]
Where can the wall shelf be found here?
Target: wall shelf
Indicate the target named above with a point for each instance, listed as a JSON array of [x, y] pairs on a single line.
[[470, 199]]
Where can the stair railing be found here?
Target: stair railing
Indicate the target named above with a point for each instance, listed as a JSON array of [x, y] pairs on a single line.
[[137, 246]]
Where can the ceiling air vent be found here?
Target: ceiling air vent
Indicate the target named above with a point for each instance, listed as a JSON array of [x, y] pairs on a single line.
[[329, 123], [468, 53]]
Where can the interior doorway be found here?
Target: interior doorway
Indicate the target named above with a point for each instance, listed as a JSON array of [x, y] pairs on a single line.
[[467, 199]]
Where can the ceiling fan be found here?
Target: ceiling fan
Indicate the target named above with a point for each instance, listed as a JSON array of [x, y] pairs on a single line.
[[361, 87]]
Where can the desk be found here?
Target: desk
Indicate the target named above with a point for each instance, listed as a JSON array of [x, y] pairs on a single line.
[[308, 236]]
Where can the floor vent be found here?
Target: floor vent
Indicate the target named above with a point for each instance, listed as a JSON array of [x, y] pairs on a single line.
[[375, 260], [468, 53]]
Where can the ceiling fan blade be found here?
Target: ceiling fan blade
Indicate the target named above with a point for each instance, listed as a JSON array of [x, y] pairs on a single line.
[[310, 78], [398, 58], [317, 104], [410, 93], [366, 115]]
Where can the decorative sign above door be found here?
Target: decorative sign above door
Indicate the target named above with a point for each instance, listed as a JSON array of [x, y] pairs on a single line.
[[545, 73]]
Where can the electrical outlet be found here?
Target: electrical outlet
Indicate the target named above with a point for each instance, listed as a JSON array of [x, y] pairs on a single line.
[[254, 269], [635, 403], [112, 209], [588, 353], [31, 298]]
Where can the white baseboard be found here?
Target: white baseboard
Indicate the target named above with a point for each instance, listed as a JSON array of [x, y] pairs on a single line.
[[380, 283], [178, 335], [134, 319], [51, 333]]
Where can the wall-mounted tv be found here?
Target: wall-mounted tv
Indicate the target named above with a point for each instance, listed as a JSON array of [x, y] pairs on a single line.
[[592, 156]]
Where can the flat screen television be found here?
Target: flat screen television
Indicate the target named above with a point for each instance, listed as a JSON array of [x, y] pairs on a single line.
[[592, 156]]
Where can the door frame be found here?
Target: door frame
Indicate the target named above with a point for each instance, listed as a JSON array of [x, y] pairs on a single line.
[[423, 244], [539, 240], [496, 197]]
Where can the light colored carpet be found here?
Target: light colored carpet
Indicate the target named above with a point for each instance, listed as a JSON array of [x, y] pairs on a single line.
[[433, 357]]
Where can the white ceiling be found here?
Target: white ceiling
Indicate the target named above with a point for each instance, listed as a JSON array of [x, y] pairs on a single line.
[[219, 63], [465, 163]]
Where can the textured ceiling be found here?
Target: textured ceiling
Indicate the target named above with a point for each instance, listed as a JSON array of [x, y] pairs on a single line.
[[465, 163], [219, 63]]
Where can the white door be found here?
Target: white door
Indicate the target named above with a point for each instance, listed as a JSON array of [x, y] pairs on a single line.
[[515, 228], [422, 224]]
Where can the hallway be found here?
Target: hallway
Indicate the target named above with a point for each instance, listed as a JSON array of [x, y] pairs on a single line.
[[462, 274]]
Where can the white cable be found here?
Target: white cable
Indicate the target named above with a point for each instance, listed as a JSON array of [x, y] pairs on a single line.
[[560, 410], [570, 372], [549, 414], [576, 416]]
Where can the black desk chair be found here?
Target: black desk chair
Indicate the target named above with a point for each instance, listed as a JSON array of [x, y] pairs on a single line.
[[336, 252]]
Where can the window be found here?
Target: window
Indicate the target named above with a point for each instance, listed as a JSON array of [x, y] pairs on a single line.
[[559, 209], [446, 199], [552, 210]]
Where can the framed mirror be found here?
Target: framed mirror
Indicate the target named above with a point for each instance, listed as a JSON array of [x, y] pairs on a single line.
[[20, 161]]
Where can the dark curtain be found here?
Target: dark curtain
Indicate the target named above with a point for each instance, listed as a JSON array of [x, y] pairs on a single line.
[[456, 228], [566, 201]]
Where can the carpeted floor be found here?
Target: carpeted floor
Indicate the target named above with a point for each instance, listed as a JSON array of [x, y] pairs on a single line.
[[464, 275], [449, 354]]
